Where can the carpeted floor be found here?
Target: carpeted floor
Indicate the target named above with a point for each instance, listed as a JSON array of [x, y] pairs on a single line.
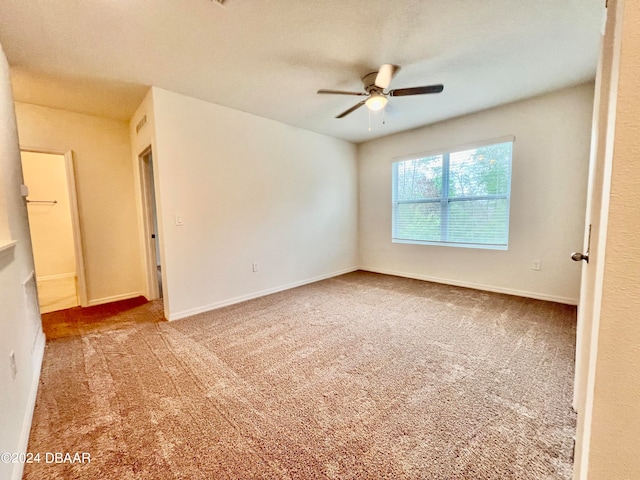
[[361, 376]]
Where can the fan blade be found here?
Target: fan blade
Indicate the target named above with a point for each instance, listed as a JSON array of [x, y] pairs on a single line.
[[341, 92], [385, 75], [355, 107], [402, 92]]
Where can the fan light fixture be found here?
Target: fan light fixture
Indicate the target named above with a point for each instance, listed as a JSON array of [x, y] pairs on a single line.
[[376, 102]]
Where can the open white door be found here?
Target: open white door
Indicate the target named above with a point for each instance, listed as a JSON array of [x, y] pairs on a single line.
[[603, 131], [602, 128]]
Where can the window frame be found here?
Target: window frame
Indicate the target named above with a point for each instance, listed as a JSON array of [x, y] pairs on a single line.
[[445, 200]]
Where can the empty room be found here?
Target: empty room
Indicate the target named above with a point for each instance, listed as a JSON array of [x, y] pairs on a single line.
[[295, 240]]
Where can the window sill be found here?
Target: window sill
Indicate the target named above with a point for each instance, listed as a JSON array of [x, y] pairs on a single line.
[[482, 246]]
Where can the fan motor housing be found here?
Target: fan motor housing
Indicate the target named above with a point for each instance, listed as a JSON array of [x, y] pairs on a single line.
[[369, 81]]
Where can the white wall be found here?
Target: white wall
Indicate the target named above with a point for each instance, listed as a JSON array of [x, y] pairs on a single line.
[[248, 190], [106, 194], [550, 166], [17, 320]]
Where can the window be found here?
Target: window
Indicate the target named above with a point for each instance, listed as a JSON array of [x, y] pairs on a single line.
[[455, 198]]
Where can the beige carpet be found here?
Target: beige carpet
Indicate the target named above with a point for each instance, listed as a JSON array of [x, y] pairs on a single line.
[[361, 376]]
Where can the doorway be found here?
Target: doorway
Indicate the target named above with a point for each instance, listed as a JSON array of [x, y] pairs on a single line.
[[54, 227], [150, 219]]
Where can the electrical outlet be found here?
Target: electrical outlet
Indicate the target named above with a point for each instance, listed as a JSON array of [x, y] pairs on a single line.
[[536, 265], [255, 266], [12, 365]]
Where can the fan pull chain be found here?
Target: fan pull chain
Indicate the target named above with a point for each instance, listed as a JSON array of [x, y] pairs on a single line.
[[369, 119], [384, 109]]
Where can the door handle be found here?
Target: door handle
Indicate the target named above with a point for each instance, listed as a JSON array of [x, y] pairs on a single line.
[[577, 256]]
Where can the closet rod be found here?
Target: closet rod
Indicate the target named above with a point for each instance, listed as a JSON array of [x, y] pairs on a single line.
[[42, 201]]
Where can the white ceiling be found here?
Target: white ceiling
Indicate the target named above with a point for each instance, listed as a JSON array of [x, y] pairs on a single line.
[[268, 57]]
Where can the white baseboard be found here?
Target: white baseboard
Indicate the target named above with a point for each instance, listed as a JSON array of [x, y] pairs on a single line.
[[251, 296], [476, 286], [38, 356], [114, 298]]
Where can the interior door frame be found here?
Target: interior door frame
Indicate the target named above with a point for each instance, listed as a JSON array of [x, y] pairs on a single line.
[[151, 259], [69, 159]]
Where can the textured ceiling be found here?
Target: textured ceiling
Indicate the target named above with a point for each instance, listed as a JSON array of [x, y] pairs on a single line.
[[268, 57]]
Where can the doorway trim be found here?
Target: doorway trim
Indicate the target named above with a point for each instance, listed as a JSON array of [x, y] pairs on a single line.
[[69, 159], [151, 260]]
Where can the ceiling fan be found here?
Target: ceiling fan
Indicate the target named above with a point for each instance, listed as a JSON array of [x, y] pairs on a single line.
[[375, 84]]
